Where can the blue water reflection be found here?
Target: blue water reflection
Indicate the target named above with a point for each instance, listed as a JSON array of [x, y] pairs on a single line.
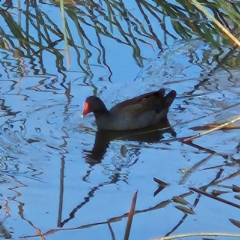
[[53, 184]]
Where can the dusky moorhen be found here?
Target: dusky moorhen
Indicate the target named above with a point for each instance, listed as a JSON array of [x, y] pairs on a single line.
[[139, 112]]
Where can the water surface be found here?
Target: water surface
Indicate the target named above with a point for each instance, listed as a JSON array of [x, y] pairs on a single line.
[[52, 187]]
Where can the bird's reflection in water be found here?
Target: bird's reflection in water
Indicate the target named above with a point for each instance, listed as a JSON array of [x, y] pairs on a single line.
[[147, 135]]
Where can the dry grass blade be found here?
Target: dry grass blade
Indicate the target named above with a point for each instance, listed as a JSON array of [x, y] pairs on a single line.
[[130, 217], [212, 130], [214, 197], [211, 126], [201, 234], [203, 9]]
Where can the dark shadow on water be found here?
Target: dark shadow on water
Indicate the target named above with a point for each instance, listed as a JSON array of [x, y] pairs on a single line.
[[104, 137]]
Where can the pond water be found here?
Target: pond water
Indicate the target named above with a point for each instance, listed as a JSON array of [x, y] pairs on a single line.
[[60, 178]]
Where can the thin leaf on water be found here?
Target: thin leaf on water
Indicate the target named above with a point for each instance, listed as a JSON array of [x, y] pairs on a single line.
[[8, 3], [186, 194], [179, 200], [161, 186], [235, 222], [217, 192], [237, 197], [185, 209], [160, 182], [235, 188]]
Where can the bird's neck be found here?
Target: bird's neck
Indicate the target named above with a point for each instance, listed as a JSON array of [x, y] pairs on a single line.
[[101, 110]]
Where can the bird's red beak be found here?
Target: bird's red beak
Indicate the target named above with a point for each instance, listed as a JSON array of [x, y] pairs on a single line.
[[85, 109]]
